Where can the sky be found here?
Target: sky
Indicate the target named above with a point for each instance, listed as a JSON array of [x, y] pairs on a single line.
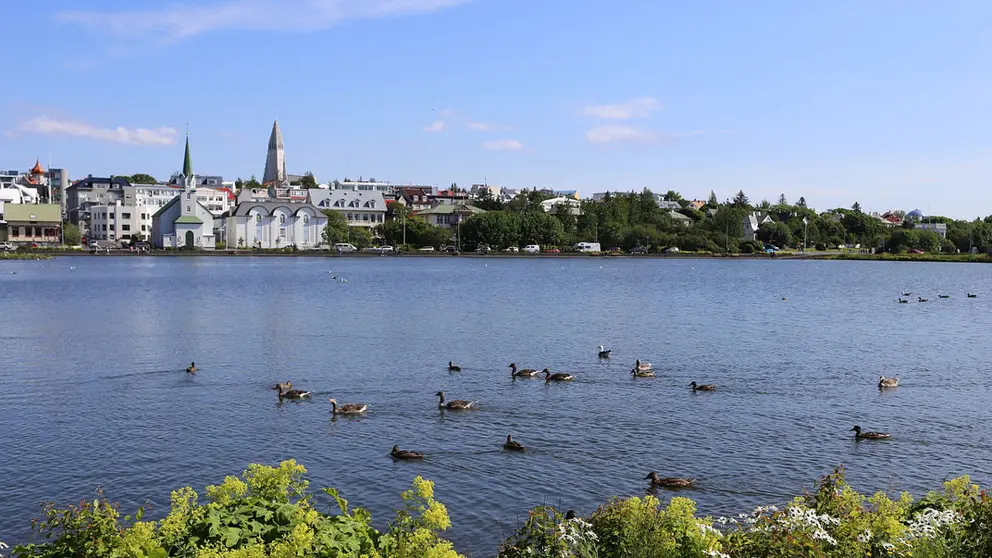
[[888, 102]]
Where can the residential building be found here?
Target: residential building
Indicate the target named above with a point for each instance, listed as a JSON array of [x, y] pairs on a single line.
[[184, 222], [750, 228], [28, 224], [450, 196], [449, 215], [552, 205], [479, 191], [360, 209], [117, 222], [274, 225], [371, 185], [669, 205], [679, 218], [508, 194], [90, 191], [16, 193], [939, 228], [58, 181], [416, 198], [698, 205]]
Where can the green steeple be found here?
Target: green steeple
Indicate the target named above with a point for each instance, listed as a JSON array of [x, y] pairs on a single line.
[[187, 164]]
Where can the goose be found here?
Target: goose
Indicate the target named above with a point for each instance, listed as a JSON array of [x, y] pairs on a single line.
[[670, 482], [972, 295], [525, 373], [397, 453], [944, 296], [348, 409], [903, 301], [604, 352], [884, 382], [921, 299], [557, 377], [293, 394], [642, 373], [512, 445], [455, 404], [704, 387], [286, 386], [453, 368], [859, 435], [642, 365], [191, 369]]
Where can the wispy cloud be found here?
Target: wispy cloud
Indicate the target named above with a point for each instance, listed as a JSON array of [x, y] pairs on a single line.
[[503, 145], [484, 127], [44, 125], [178, 21], [635, 108], [434, 127], [622, 134]]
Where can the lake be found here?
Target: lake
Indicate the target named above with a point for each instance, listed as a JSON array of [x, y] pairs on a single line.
[[93, 393]]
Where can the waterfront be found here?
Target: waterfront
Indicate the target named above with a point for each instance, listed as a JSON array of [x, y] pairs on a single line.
[[93, 391]]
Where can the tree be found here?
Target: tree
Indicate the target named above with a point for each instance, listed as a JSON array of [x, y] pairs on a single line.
[[488, 202], [782, 200], [141, 178], [239, 184], [765, 205], [856, 207], [674, 196], [337, 227], [778, 234], [712, 203], [253, 183], [308, 181], [740, 200], [361, 237], [801, 202], [496, 229], [70, 234]]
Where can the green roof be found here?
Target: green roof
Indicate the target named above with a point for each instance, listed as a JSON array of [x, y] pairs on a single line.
[[47, 213], [187, 163], [167, 206], [188, 220], [449, 208]]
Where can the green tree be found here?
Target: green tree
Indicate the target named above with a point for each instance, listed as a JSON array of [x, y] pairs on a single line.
[[488, 202], [765, 205], [252, 183], [336, 229], [308, 180], [496, 229], [674, 196], [239, 184], [801, 202], [141, 178], [712, 202], [856, 207], [778, 234], [740, 200], [361, 237], [782, 200], [70, 234], [569, 222]]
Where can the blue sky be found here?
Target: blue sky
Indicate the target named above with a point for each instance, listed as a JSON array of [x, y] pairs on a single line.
[[885, 102]]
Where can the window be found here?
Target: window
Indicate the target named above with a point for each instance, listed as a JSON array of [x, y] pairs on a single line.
[[258, 218], [126, 228], [348, 216], [365, 216], [125, 215], [354, 203], [142, 228], [105, 228], [306, 219], [282, 219], [110, 216], [282, 233], [187, 209], [112, 227], [16, 232], [188, 196]]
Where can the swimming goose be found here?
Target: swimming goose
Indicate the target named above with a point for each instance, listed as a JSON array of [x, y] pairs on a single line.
[[884, 382], [859, 435], [921, 299], [642, 365], [397, 453], [453, 368], [293, 394], [604, 352], [704, 387], [286, 386], [525, 373], [191, 369], [670, 482], [348, 409], [557, 377], [453, 405], [972, 295], [642, 373], [512, 445]]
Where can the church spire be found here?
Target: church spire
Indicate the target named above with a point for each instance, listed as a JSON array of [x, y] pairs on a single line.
[[187, 163]]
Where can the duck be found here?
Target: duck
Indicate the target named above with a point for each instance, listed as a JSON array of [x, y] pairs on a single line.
[[525, 373], [642, 365], [293, 394], [455, 404], [642, 373], [669, 482], [557, 377], [397, 453], [884, 382], [512, 445], [921, 299], [347, 409], [859, 435], [944, 296], [704, 387], [604, 352], [453, 368], [970, 295], [903, 301], [907, 294], [285, 386], [191, 369]]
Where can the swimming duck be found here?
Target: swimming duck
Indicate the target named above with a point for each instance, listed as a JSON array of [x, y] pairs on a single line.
[[557, 377], [642, 373], [512, 445], [604, 352], [884, 382], [859, 435], [944, 296], [642, 365], [455, 404], [903, 301], [453, 368], [972, 295], [293, 394], [704, 387], [921, 299], [191, 369], [525, 373], [348, 409], [397, 453], [907, 294], [285, 386], [670, 482]]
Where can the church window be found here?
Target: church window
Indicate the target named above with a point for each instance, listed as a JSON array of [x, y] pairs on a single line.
[[306, 219], [282, 219], [188, 196], [187, 208], [258, 218]]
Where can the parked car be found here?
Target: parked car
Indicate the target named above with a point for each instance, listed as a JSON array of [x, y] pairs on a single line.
[[552, 251], [450, 249], [532, 248], [915, 251], [482, 249], [387, 249], [771, 248], [512, 249], [7, 246], [372, 249], [345, 247], [639, 250], [672, 250], [588, 247], [427, 249]]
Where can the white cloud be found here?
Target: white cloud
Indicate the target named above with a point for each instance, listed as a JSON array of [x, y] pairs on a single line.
[[484, 127], [635, 108], [128, 136], [178, 21], [503, 145], [626, 134], [434, 127]]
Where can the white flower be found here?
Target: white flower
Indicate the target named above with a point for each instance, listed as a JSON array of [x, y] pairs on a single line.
[[707, 529], [865, 537], [716, 554]]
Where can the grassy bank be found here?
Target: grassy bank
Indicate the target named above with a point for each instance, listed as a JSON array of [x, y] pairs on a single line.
[[962, 258], [25, 256], [270, 512]]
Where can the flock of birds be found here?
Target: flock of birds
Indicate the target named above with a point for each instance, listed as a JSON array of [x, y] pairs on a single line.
[[641, 369], [921, 299]]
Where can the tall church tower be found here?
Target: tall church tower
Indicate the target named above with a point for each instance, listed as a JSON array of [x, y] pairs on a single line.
[[189, 185], [275, 160]]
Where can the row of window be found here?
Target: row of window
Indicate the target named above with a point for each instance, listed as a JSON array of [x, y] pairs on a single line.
[[33, 232], [110, 216], [353, 203], [282, 219], [374, 218]]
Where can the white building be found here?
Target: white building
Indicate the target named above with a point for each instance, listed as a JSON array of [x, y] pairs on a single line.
[[551, 206], [184, 222], [939, 228], [274, 225], [364, 186], [360, 209]]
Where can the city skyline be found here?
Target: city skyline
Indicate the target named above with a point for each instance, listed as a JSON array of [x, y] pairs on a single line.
[[881, 104]]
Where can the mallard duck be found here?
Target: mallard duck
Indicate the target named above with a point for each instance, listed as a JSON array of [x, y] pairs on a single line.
[[397, 453], [859, 435], [525, 373], [972, 295], [884, 382], [557, 377], [921, 299], [286, 386], [512, 445], [903, 301], [642, 373], [348, 409], [944, 296], [453, 368], [293, 394], [455, 404], [642, 365], [670, 482], [604, 352], [704, 387], [191, 369]]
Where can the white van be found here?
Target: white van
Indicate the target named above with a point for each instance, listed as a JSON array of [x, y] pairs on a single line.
[[532, 248], [588, 247], [344, 247]]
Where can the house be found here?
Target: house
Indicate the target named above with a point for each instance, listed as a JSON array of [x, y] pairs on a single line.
[[90, 191], [750, 227], [939, 228], [184, 222], [480, 191], [666, 204], [677, 217], [32, 224], [360, 208], [698, 205], [450, 197], [552, 205], [449, 215], [273, 224], [416, 198]]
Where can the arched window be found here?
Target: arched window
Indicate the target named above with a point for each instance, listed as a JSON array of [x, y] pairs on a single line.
[[188, 195], [282, 219], [354, 203], [258, 218], [187, 209], [306, 218]]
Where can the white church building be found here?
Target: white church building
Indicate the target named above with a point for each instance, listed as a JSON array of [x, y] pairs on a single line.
[[184, 222]]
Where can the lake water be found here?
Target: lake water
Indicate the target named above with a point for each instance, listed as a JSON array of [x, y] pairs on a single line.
[[93, 393]]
